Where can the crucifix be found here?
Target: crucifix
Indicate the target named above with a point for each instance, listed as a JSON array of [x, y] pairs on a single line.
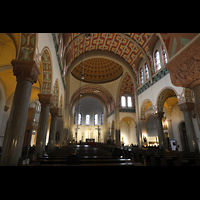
[[98, 132]]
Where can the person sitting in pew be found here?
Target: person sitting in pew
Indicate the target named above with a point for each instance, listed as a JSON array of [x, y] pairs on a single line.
[[73, 159]]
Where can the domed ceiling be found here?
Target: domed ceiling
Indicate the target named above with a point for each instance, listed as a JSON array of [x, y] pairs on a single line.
[[98, 70]]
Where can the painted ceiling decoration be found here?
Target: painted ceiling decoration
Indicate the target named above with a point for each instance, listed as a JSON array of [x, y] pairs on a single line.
[[129, 46], [98, 70]]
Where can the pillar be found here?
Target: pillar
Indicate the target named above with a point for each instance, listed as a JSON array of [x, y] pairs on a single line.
[[187, 108], [53, 127], [45, 100], [117, 128], [26, 73], [159, 116]]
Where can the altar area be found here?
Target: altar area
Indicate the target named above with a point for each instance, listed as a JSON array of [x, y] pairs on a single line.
[[85, 133]]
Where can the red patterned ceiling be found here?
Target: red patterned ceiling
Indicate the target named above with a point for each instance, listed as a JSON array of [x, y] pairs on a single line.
[[129, 46], [98, 70]]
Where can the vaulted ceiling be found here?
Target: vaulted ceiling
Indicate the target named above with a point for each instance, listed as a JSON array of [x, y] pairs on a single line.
[[129, 46]]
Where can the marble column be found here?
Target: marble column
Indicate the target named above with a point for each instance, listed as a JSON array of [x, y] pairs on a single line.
[[26, 73], [53, 127], [159, 116], [45, 100], [187, 108]]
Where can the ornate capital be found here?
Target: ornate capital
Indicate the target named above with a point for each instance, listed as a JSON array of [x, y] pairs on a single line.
[[184, 68], [45, 99], [186, 106], [26, 70], [54, 111]]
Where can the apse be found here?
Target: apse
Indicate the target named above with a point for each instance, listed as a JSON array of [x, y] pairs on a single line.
[[88, 117], [88, 106]]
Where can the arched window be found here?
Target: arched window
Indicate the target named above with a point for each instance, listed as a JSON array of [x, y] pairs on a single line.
[[157, 60], [79, 119], [164, 55], [141, 76], [87, 120], [146, 69], [96, 119], [129, 101], [126, 101], [123, 101]]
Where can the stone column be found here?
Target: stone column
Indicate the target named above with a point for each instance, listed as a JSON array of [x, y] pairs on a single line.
[[187, 108], [117, 128], [45, 100], [112, 134], [26, 73], [53, 127], [159, 116]]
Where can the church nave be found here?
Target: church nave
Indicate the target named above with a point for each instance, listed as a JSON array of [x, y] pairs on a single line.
[[133, 93]]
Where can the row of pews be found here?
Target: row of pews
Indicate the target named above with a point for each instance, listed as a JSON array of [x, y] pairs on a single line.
[[89, 156], [155, 156]]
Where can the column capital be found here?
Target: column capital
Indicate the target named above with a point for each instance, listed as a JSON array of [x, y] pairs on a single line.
[[186, 106], [184, 68], [45, 99], [159, 115], [26, 70], [54, 111]]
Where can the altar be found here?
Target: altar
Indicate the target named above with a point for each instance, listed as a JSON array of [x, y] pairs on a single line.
[[90, 140]]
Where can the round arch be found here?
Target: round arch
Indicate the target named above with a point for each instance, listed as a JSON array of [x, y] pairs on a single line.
[[97, 90], [163, 94], [145, 104]]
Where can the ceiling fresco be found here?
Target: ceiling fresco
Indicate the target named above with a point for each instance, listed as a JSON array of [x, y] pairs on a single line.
[[98, 70], [129, 46]]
